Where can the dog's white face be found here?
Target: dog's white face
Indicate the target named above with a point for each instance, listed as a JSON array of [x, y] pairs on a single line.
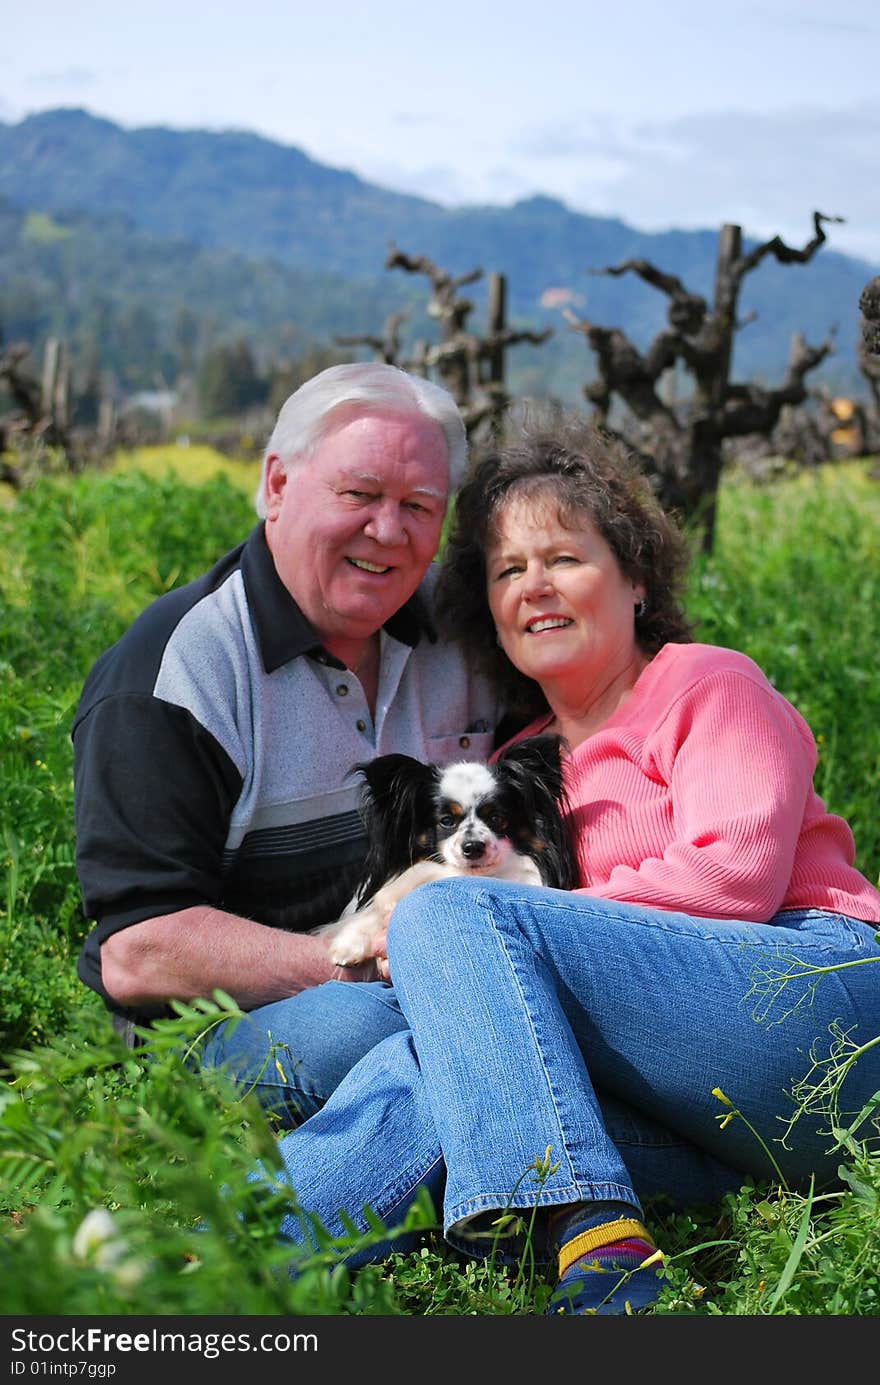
[[427, 823], [471, 825]]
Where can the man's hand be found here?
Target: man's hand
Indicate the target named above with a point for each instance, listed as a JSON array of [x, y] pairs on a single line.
[[368, 970], [380, 951]]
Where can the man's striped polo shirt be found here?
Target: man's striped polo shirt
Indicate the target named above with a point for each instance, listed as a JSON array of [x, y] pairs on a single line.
[[214, 743]]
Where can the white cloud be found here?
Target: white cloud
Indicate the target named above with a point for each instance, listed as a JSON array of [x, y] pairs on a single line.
[[766, 171]]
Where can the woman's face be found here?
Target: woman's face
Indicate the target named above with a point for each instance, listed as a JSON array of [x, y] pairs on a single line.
[[561, 605]]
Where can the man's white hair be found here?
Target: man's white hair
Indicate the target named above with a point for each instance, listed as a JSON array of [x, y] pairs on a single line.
[[307, 414]]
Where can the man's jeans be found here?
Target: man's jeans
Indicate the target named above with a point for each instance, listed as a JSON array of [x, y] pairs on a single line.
[[525, 1019]]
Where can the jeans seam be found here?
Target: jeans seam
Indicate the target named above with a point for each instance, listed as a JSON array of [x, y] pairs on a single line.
[[655, 919], [527, 1009]]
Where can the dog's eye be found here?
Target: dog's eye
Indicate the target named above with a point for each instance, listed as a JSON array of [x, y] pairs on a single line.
[[496, 822], [446, 821]]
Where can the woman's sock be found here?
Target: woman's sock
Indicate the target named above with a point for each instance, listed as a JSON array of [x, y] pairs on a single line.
[[608, 1262]]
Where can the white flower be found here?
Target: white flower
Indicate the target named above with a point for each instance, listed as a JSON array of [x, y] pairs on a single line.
[[97, 1240]]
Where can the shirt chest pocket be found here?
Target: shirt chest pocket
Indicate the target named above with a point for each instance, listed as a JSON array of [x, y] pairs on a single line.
[[469, 745]]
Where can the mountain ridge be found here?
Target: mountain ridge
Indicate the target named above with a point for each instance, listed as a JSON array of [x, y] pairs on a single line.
[[237, 193]]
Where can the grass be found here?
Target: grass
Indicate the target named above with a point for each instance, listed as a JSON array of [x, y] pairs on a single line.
[[123, 1183]]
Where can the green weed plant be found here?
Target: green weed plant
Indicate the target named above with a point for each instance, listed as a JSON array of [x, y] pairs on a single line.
[[83, 557], [133, 1184]]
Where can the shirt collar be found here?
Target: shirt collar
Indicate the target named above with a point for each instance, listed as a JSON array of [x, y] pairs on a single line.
[[284, 633]]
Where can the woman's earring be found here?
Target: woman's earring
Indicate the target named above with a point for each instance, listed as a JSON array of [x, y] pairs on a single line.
[[640, 608]]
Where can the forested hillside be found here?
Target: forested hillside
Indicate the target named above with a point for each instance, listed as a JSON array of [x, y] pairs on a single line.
[[133, 243]]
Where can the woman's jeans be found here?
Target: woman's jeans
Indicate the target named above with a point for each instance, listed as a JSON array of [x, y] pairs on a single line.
[[523, 1020]]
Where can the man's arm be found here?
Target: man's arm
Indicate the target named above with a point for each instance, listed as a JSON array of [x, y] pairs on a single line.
[[196, 951]]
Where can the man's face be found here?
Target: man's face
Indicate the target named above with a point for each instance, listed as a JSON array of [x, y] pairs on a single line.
[[353, 527]]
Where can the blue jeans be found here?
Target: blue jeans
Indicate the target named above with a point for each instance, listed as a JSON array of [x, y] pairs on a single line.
[[294, 1053], [522, 1018]]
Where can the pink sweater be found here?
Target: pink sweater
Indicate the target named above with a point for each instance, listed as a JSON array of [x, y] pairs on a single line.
[[697, 795]]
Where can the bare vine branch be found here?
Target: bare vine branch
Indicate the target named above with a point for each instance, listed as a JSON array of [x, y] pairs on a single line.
[[685, 437]]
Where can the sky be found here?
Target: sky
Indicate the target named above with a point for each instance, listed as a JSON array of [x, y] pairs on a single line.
[[663, 114]]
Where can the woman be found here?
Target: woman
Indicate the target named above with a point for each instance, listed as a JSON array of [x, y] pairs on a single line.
[[612, 1022]]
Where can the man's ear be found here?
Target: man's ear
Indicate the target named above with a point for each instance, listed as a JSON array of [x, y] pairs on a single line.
[[273, 485]]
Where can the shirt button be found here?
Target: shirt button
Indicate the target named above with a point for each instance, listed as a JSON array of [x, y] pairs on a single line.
[[464, 742], [361, 725], [342, 689]]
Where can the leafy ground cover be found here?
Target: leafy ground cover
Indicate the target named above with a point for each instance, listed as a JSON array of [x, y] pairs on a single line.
[[123, 1178]]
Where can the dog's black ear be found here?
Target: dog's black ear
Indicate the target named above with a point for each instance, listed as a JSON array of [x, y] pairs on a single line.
[[397, 806], [383, 775], [536, 756], [533, 770]]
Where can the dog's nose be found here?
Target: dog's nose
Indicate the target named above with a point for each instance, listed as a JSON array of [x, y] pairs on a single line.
[[473, 850]]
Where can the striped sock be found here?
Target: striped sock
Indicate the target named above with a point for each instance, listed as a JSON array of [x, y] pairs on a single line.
[[602, 1264]]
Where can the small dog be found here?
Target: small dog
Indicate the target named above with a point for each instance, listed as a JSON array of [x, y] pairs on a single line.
[[430, 822]]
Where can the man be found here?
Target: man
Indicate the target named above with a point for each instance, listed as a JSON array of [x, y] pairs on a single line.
[[216, 813]]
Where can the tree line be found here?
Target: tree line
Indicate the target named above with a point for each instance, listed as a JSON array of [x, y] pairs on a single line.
[[672, 402]]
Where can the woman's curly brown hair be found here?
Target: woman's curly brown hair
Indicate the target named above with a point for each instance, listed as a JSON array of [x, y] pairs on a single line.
[[587, 473]]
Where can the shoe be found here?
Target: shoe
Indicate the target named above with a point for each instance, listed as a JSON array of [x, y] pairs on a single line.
[[613, 1268]]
